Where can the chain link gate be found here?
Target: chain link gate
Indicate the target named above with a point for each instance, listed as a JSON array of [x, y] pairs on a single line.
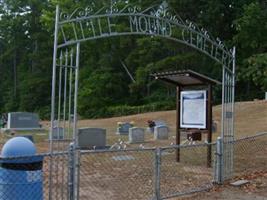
[[63, 128], [94, 22]]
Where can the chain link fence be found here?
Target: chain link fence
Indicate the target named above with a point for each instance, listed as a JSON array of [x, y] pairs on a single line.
[[250, 154], [125, 174], [193, 173], [145, 173], [117, 175]]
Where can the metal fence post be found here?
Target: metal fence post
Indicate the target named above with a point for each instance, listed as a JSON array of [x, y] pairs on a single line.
[[71, 173], [219, 161], [157, 173], [77, 168]]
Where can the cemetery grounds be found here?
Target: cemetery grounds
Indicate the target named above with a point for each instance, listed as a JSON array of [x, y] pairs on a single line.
[[102, 177], [251, 118]]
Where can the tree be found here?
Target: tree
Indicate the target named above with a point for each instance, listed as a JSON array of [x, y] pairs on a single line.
[[252, 47]]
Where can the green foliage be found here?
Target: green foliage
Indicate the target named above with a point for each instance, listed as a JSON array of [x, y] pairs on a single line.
[[123, 110], [105, 89], [256, 70], [251, 40]]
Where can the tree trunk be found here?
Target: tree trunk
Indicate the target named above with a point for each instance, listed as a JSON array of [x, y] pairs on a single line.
[[15, 73]]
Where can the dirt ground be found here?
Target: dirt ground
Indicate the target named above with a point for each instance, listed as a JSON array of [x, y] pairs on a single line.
[[255, 189], [250, 118]]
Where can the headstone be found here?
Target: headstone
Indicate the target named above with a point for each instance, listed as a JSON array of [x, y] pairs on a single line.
[[153, 123], [265, 95], [89, 138], [56, 123], [23, 121], [30, 137], [58, 133], [136, 135], [124, 128], [161, 133]]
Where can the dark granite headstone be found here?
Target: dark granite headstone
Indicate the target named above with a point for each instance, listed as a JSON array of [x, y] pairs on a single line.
[[89, 138], [124, 128], [23, 121]]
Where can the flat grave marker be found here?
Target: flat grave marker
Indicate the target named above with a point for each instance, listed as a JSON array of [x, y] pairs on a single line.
[[123, 158]]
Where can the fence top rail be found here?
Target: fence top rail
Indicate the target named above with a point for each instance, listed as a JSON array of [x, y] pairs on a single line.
[[36, 155], [260, 134], [117, 150]]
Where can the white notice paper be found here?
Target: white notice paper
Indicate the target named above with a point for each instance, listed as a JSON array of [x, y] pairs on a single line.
[[193, 109]]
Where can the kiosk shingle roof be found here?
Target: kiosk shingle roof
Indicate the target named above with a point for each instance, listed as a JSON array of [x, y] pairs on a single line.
[[185, 78]]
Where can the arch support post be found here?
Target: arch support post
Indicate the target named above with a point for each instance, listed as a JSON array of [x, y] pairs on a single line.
[[53, 102], [227, 127], [76, 159]]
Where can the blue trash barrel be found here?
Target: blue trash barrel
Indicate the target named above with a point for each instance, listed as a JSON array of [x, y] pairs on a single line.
[[21, 176]]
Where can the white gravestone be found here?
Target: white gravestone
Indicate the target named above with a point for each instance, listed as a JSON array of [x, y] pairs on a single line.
[[136, 135], [58, 133], [161, 133], [89, 138]]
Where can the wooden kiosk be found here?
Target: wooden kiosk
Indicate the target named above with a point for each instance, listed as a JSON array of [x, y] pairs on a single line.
[[193, 104]]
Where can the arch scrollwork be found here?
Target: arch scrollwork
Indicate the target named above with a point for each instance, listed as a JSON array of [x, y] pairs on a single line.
[[93, 23]]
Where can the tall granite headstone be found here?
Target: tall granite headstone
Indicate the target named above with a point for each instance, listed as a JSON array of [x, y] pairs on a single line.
[[91, 137], [23, 121]]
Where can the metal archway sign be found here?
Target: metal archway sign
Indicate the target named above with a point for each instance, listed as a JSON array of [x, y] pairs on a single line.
[[89, 24], [92, 23]]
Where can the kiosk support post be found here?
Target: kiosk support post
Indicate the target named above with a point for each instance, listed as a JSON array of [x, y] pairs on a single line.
[[209, 125], [178, 135]]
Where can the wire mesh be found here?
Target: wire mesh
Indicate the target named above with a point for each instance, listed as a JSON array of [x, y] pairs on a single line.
[[124, 174], [56, 180], [189, 175], [118, 175], [250, 154]]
